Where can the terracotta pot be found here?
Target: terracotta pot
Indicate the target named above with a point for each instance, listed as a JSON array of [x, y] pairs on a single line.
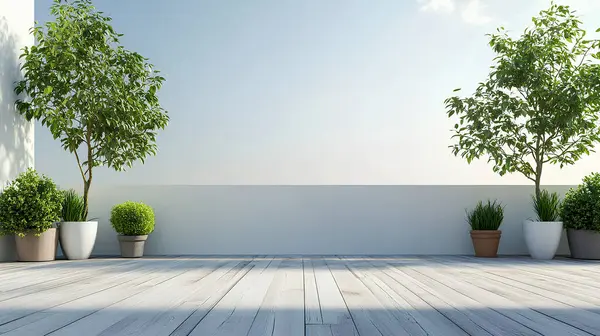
[[132, 246], [485, 242], [37, 248]]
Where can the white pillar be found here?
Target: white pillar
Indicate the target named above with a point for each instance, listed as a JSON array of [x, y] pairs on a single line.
[[16, 134]]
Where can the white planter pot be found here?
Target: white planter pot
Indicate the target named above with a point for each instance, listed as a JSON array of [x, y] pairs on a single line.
[[542, 238], [77, 239]]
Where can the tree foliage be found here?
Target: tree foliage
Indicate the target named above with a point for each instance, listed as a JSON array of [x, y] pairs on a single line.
[[580, 209], [539, 103], [98, 98]]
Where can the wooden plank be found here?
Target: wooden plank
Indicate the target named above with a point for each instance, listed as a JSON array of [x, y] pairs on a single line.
[[459, 316], [584, 277], [509, 308], [487, 318], [282, 310], [234, 314], [319, 330], [50, 279], [553, 284], [361, 269], [539, 300], [570, 269], [333, 307], [205, 295], [162, 315], [43, 300], [550, 287], [199, 305], [577, 318], [369, 316], [311, 295], [418, 317], [551, 276], [118, 317], [49, 320]]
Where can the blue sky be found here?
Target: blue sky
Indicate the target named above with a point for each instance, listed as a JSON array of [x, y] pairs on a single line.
[[310, 92]]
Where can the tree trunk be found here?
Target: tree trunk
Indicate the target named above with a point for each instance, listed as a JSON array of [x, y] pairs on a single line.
[[86, 191], [90, 165], [538, 180]]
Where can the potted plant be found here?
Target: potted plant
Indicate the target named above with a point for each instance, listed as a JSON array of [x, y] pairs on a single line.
[[539, 104], [580, 213], [77, 235], [108, 114], [29, 207], [542, 236], [133, 221], [485, 219]]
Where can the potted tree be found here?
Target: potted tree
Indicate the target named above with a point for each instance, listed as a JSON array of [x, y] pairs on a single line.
[[539, 104], [29, 207], [133, 221], [485, 220], [98, 98], [581, 216], [542, 236], [77, 236]]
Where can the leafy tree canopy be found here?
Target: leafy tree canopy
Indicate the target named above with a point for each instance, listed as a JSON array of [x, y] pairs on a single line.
[[98, 98], [540, 102]]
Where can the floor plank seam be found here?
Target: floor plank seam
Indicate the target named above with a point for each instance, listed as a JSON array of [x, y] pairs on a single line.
[[215, 303], [68, 324]]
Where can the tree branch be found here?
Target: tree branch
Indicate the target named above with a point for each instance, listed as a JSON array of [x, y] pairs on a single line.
[[79, 165], [584, 56], [550, 158]]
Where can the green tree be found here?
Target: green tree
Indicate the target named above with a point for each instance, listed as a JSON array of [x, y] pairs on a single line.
[[98, 98], [540, 102]]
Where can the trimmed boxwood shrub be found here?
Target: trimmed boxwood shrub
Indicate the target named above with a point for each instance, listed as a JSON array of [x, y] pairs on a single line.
[[31, 203], [132, 219], [581, 205]]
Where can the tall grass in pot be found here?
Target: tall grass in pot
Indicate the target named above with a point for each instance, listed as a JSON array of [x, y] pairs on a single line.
[[77, 233], [542, 235], [485, 220]]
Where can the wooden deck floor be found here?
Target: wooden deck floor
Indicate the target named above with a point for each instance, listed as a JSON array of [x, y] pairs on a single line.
[[326, 296]]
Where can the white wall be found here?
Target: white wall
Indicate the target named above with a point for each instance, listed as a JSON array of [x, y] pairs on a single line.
[[314, 219], [16, 134]]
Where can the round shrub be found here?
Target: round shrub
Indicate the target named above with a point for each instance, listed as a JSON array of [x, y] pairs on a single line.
[[581, 206], [132, 219], [29, 204]]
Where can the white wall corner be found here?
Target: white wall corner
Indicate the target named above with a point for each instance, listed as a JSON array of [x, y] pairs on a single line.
[[16, 134]]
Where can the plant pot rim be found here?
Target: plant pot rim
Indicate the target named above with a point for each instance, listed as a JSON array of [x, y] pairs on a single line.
[[84, 222], [132, 238], [545, 222], [584, 230], [29, 232], [486, 231]]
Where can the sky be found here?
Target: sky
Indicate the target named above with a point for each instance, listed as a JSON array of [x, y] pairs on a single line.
[[310, 92]]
